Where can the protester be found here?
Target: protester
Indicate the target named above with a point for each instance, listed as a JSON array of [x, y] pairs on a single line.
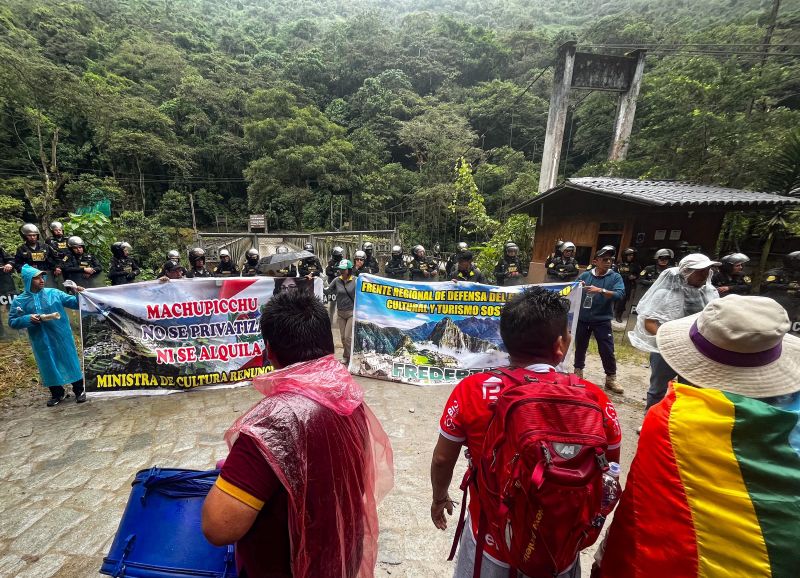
[[465, 270], [601, 288], [678, 292], [713, 489], [41, 312], [308, 464], [630, 270], [344, 288], [535, 332], [172, 268]]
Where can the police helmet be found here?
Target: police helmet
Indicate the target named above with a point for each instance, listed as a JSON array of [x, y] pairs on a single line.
[[418, 251], [126, 245], [56, 225], [630, 251], [28, 229], [734, 259], [75, 241], [567, 246], [308, 247], [116, 250], [337, 253], [511, 247], [224, 253], [281, 249], [461, 247], [345, 264], [606, 251], [174, 255], [367, 247], [792, 260], [252, 254], [436, 248], [559, 245], [397, 250], [664, 254], [196, 254], [360, 255]]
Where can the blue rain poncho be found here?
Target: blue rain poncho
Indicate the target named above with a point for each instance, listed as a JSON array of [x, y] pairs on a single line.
[[52, 341]]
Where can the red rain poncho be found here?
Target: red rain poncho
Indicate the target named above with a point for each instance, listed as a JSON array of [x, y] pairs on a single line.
[[335, 467]]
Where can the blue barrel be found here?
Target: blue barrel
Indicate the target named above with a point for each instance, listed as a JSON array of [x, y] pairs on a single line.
[[160, 534]]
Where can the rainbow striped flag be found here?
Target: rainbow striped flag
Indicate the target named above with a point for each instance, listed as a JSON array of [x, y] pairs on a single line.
[[714, 491]]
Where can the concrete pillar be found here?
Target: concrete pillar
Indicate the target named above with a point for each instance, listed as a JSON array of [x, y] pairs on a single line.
[[557, 116], [626, 109]]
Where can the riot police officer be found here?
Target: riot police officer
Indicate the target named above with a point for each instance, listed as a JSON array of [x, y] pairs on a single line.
[[359, 263], [58, 242], [466, 271], [629, 270], [730, 277], [396, 268], [310, 267], [565, 267], [422, 268], [332, 270], [452, 262], [663, 261], [226, 266], [555, 254], [34, 253], [509, 270], [250, 266], [172, 267], [123, 268], [783, 285], [79, 266], [197, 264], [370, 262], [7, 287]]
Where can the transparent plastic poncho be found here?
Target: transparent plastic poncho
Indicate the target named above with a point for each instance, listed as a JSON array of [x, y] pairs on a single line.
[[336, 465], [669, 298]]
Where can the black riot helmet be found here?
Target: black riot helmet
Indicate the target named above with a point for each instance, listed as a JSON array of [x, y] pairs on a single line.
[[281, 250], [510, 249], [792, 261], [664, 254], [337, 253], [397, 251], [195, 255], [368, 248], [629, 251], [733, 259], [118, 250], [252, 256], [308, 247]]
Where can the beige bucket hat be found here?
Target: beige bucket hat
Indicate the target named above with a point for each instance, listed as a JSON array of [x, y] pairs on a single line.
[[737, 344]]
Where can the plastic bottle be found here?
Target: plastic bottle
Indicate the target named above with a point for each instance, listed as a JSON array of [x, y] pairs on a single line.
[[611, 489]]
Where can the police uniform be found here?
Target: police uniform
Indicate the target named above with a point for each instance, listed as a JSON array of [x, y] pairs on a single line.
[[504, 269], [123, 270], [739, 284], [310, 266], [249, 269], [626, 271], [650, 274], [226, 269], [474, 275], [419, 267], [170, 267], [396, 268], [59, 246], [40, 256], [72, 267], [7, 286], [371, 265], [195, 273], [783, 285], [563, 269]]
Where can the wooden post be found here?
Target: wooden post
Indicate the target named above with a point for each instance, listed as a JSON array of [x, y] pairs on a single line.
[[557, 116], [626, 109]]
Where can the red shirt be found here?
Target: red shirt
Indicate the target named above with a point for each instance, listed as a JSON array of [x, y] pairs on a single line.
[[467, 415], [265, 550]]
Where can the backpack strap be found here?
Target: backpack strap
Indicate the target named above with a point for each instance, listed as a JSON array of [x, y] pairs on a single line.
[[469, 478]]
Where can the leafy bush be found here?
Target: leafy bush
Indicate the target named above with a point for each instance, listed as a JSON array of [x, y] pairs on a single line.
[[10, 221], [149, 239], [96, 230], [517, 228]]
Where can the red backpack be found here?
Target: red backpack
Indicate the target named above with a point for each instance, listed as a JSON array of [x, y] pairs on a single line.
[[539, 476]]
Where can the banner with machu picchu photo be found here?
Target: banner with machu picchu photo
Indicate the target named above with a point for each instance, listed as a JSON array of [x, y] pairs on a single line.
[[153, 337], [431, 333]]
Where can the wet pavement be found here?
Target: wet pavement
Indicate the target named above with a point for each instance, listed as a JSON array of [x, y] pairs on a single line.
[[65, 472]]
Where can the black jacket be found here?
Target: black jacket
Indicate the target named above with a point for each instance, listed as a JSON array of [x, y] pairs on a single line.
[[250, 269], [72, 267], [739, 284], [226, 270], [563, 269], [504, 269], [7, 286], [371, 266], [310, 266], [41, 256], [419, 267], [123, 270], [396, 268], [59, 246], [474, 275], [198, 273]]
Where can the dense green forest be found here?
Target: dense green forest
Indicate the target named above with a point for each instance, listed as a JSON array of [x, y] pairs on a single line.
[[356, 113]]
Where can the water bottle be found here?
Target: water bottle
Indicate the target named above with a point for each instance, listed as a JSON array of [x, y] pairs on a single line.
[[611, 489]]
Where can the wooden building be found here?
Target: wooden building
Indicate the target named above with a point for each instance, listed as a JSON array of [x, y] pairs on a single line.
[[648, 215]]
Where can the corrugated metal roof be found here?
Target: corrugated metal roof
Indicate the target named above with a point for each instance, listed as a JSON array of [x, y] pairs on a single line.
[[665, 194]]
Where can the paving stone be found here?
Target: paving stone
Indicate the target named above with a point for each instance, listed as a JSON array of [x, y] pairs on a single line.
[[11, 564], [43, 567], [41, 536]]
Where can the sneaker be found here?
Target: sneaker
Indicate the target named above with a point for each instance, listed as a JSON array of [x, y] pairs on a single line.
[[54, 401], [612, 385], [638, 430], [81, 397]]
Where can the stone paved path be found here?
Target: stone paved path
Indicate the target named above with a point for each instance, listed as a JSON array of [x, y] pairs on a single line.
[[65, 472]]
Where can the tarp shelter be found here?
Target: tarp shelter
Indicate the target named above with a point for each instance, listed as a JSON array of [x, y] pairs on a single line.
[[596, 211]]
